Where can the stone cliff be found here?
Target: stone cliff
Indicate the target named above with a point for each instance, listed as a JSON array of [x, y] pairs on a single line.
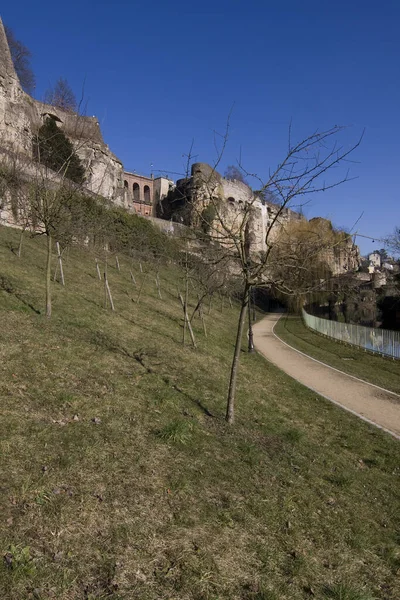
[[193, 203], [188, 203], [21, 116]]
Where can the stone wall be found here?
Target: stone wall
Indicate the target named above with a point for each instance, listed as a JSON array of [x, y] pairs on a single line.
[[21, 116]]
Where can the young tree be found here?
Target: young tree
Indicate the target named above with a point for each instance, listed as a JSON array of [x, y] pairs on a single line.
[[61, 96], [21, 56], [299, 174], [49, 215]]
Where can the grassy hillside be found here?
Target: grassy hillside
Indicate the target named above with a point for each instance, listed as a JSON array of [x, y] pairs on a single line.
[[120, 479], [378, 370]]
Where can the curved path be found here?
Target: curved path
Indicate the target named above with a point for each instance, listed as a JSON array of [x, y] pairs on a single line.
[[372, 403]]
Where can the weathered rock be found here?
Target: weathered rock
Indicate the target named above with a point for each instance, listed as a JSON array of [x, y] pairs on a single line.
[[21, 117], [193, 200]]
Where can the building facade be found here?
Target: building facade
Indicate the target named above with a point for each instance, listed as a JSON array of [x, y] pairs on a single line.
[[142, 194]]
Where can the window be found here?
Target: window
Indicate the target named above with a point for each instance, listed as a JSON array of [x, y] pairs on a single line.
[[136, 192], [147, 194]]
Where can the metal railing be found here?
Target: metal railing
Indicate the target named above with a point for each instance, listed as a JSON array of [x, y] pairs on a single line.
[[381, 341]]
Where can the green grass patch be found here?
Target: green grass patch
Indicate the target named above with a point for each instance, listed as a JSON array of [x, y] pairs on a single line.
[[381, 371], [120, 480]]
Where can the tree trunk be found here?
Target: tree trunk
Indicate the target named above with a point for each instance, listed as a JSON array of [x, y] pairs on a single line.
[[48, 278], [141, 288], [21, 239], [185, 306], [230, 406], [250, 346]]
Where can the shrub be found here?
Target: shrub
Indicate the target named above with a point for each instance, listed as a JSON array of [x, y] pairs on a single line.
[[52, 148]]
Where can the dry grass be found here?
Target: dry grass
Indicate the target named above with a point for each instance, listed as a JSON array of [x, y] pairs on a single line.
[[120, 479]]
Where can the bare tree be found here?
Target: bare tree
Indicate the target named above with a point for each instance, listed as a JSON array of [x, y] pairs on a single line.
[[393, 241], [61, 96], [234, 173], [300, 174], [303, 257], [21, 56]]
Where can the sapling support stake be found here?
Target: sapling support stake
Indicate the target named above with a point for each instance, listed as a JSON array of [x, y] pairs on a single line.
[[98, 269], [158, 287], [108, 292], [59, 264], [187, 321]]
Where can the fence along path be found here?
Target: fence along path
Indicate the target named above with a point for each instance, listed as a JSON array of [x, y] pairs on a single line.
[[371, 403], [382, 341]]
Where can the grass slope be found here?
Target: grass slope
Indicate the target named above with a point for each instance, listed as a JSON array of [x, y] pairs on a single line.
[[378, 370], [120, 479]]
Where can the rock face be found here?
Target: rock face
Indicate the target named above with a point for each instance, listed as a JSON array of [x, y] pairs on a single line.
[[194, 200], [191, 201], [21, 116]]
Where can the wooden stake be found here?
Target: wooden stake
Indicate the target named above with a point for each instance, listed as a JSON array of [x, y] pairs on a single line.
[[117, 263], [21, 238], [158, 288], [108, 292], [97, 269], [59, 264], [187, 321], [133, 277]]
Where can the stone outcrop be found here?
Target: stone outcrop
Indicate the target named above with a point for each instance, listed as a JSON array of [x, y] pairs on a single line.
[[21, 117], [189, 201], [194, 200]]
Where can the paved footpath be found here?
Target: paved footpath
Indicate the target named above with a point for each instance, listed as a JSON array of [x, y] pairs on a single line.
[[369, 402]]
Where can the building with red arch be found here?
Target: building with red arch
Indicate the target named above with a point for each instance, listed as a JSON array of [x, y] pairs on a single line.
[[142, 194]]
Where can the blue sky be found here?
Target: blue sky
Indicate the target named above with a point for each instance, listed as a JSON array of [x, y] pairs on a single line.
[[159, 74]]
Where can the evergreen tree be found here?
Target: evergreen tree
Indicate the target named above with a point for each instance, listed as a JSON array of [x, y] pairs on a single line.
[[52, 148]]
